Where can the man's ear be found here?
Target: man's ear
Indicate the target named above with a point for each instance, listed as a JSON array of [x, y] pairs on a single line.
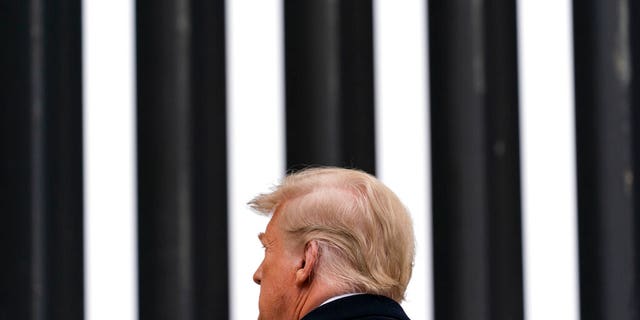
[[307, 266]]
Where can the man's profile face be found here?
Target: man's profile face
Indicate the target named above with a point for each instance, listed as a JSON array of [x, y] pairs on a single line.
[[276, 276]]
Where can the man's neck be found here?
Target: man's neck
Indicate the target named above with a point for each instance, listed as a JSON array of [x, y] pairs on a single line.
[[318, 294]]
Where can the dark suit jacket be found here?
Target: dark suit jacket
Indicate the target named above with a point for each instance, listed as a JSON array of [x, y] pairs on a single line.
[[362, 306]]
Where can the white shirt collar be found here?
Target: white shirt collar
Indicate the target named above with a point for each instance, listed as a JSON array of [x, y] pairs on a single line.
[[340, 297]]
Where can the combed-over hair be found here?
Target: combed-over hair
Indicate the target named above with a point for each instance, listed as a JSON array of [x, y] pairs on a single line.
[[364, 233]]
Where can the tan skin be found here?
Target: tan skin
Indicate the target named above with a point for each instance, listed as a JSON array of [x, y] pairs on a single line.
[[288, 289]]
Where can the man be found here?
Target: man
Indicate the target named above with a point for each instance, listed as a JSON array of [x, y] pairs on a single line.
[[339, 245]]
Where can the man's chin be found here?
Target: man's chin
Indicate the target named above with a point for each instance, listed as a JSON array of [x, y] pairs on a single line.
[[262, 316]]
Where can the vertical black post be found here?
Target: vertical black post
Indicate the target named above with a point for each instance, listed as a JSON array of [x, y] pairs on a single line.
[[635, 113], [329, 83], [606, 93], [475, 159], [41, 203], [182, 181]]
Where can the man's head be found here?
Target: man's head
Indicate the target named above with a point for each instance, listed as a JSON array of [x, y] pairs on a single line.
[[333, 231]]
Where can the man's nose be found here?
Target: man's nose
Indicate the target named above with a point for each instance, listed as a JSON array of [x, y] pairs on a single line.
[[257, 276]]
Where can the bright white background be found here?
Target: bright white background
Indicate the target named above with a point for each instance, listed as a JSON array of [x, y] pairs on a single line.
[[109, 160], [548, 161], [256, 147]]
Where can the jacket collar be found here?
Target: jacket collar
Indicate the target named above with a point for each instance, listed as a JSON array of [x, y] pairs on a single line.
[[358, 306]]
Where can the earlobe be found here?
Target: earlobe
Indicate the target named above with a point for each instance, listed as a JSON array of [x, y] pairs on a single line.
[[308, 264]]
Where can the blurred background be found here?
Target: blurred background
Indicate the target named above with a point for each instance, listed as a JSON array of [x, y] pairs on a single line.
[[134, 133]]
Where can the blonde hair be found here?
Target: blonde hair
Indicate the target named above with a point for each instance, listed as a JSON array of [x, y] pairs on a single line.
[[363, 231]]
